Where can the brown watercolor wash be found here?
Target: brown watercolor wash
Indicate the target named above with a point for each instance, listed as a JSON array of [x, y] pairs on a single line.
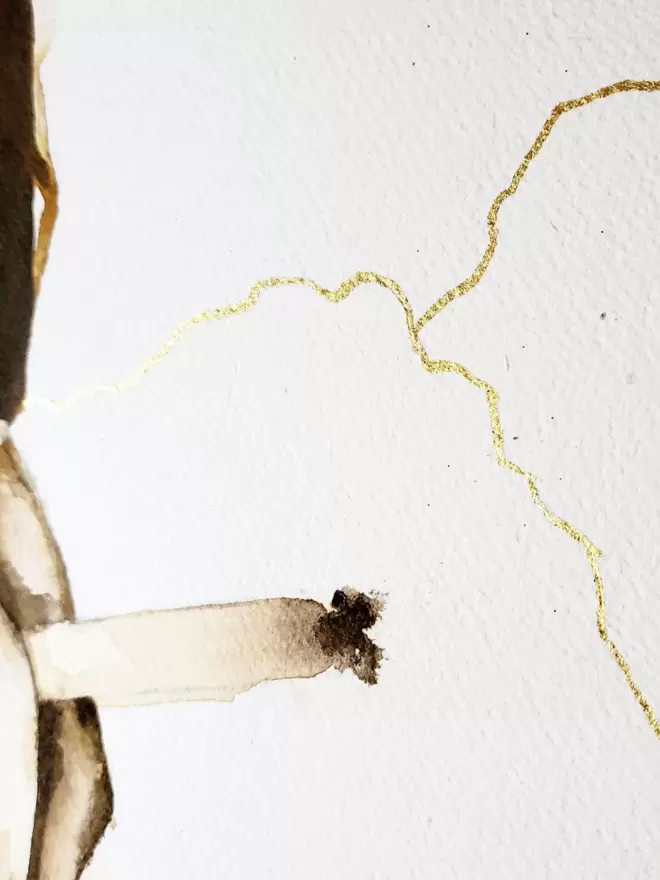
[[56, 797]]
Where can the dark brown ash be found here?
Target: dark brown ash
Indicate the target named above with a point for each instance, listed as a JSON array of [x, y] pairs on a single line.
[[341, 634]]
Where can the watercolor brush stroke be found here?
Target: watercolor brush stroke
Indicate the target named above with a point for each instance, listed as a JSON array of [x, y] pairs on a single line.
[[67, 668], [46, 180], [414, 327], [50, 662], [208, 653], [56, 797], [33, 773]]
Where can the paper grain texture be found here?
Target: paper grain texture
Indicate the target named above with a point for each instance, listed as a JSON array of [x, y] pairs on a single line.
[[301, 447]]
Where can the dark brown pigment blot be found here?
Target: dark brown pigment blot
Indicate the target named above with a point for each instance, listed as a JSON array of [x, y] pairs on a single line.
[[19, 166], [341, 634]]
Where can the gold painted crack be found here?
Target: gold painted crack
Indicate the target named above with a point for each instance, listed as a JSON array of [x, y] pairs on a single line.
[[430, 364]]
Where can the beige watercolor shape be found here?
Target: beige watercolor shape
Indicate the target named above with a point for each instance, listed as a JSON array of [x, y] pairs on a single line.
[[47, 659], [60, 655], [208, 653]]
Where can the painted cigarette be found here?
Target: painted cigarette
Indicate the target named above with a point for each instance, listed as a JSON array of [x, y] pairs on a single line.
[[206, 653]]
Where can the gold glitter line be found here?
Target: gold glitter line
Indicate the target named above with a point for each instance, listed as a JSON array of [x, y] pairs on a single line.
[[626, 85], [433, 366]]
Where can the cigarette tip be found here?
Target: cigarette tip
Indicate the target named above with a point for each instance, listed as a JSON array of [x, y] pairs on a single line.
[[341, 632]]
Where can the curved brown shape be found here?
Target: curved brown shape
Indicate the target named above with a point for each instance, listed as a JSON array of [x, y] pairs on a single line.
[[18, 753], [17, 167], [74, 798]]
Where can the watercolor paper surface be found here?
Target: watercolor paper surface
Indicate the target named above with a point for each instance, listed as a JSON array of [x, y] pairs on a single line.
[[300, 447]]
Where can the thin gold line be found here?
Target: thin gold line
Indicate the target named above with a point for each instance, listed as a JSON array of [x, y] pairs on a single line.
[[434, 366], [472, 280]]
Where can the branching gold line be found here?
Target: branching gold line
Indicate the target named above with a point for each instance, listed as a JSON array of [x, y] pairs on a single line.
[[434, 366], [626, 85]]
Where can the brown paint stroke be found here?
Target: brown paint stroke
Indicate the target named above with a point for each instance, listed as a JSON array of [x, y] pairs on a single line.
[[213, 652], [48, 187], [18, 753], [74, 797], [61, 801], [24, 161], [74, 802], [208, 653], [17, 166]]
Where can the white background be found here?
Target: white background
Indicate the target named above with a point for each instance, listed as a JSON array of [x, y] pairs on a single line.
[[302, 447]]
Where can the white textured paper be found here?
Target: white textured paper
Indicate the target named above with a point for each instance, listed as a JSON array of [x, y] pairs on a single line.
[[302, 447]]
